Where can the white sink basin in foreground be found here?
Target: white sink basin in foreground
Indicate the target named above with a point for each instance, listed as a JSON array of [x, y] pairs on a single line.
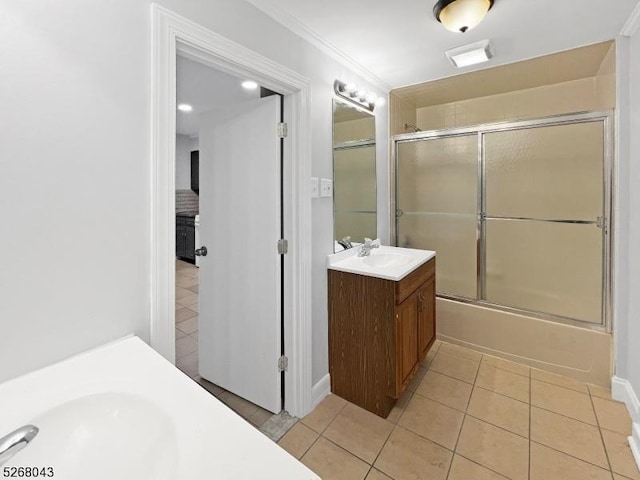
[[122, 412], [389, 263], [77, 436]]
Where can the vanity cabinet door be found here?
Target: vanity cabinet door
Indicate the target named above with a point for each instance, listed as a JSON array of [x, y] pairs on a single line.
[[426, 316], [406, 345]]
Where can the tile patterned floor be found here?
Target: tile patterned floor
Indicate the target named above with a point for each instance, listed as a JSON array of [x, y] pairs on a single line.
[[187, 290], [469, 416], [465, 416]]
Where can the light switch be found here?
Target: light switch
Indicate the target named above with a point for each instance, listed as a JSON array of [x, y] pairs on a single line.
[[326, 187], [315, 187]]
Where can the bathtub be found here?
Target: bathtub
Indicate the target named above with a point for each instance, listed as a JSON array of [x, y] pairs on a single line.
[[123, 412]]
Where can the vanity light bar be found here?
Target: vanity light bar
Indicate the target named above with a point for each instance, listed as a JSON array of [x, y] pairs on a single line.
[[351, 92]]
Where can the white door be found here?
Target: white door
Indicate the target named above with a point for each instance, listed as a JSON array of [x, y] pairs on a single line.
[[240, 278]]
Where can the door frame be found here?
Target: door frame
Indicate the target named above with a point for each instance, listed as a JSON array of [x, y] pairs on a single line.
[[173, 35]]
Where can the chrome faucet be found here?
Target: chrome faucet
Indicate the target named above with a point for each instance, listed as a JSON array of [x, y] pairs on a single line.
[[346, 243], [367, 246], [15, 441]]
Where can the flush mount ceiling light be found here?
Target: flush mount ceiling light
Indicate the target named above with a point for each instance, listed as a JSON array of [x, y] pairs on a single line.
[[471, 54], [183, 107], [461, 15], [249, 85]]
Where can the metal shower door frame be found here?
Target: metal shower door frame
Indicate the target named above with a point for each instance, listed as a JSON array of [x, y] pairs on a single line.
[[607, 119]]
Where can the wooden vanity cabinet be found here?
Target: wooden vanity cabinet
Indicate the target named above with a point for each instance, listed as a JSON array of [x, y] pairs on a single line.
[[379, 331], [406, 342]]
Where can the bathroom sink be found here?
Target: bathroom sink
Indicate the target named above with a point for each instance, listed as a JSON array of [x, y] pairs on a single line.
[[122, 412], [82, 435], [386, 262], [386, 259]]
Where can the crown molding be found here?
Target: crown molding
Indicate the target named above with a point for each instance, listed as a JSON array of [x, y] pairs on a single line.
[[633, 22], [296, 26]]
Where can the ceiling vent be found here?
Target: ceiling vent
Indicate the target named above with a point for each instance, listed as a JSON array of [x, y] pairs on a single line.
[[471, 54]]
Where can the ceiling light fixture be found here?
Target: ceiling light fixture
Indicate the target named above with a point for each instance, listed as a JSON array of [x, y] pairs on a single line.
[[461, 15], [249, 85], [357, 96], [471, 54], [184, 107]]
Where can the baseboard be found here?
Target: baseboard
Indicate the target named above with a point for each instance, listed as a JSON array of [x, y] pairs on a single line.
[[622, 391], [320, 390], [634, 443]]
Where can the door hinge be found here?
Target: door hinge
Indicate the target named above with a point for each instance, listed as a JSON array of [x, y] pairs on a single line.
[[283, 364], [283, 246], [283, 130], [601, 222]]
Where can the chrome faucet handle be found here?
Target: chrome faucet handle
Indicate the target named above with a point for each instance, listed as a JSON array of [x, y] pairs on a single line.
[[371, 243], [15, 441], [346, 242], [367, 246]]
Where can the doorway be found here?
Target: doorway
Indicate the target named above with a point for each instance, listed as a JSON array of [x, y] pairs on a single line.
[[228, 185], [173, 34]]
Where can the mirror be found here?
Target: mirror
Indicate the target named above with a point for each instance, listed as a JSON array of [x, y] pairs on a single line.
[[354, 174]]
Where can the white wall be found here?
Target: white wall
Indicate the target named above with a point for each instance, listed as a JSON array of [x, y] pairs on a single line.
[[630, 369], [75, 117], [74, 178], [183, 162], [622, 208], [626, 382]]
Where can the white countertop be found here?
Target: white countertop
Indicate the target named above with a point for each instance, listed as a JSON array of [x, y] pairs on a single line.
[[123, 412], [401, 261]]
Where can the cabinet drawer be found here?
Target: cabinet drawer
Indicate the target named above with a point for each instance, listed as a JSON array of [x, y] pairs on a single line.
[[411, 282]]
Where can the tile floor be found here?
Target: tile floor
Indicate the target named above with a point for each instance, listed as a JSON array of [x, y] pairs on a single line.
[[465, 416], [187, 286], [468, 416]]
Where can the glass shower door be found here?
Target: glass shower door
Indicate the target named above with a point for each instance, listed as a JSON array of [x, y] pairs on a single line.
[[437, 207], [542, 220]]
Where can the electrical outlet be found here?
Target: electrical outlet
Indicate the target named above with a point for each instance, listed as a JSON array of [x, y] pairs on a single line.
[[326, 187], [315, 187]]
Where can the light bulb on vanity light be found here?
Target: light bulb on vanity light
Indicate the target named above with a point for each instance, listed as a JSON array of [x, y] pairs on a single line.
[[356, 95], [371, 97]]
